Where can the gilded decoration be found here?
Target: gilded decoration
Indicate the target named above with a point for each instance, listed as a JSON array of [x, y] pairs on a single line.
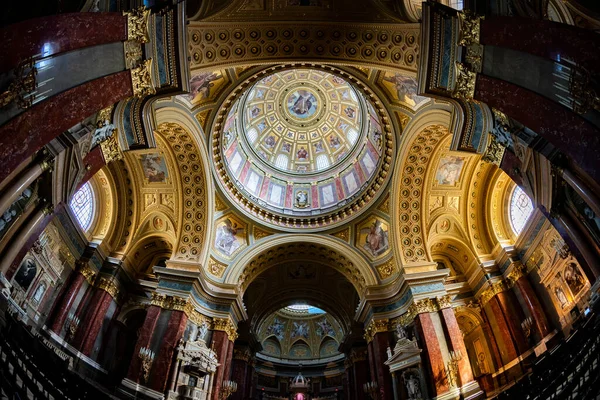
[[515, 274], [194, 191], [133, 54], [387, 269], [464, 87], [401, 89], [411, 190], [469, 24], [199, 319], [226, 325], [474, 57], [385, 205], [111, 151], [216, 268], [141, 80], [375, 327], [88, 272], [494, 152], [220, 205], [213, 45], [21, 89], [423, 306], [491, 291], [404, 320], [260, 233], [137, 24], [344, 234], [171, 303], [110, 286], [444, 302]]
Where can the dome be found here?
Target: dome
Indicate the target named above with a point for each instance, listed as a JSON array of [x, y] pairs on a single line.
[[302, 148]]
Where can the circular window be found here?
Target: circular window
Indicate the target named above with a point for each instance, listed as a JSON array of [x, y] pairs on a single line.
[[82, 205], [521, 208]]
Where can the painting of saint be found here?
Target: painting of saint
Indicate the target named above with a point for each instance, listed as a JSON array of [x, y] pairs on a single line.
[[270, 141], [286, 147], [302, 154], [373, 237], [226, 240], [334, 142], [300, 329], [319, 147], [26, 273], [254, 112], [405, 89], [350, 112], [302, 103], [276, 328], [324, 328], [574, 279], [202, 84], [448, 172], [154, 167], [337, 80]]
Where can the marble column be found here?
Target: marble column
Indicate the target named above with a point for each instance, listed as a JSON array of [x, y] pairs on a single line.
[[22, 182], [361, 376], [220, 343], [161, 368], [239, 374], [502, 334], [65, 301], [92, 321], [433, 359], [543, 38], [456, 343], [43, 37], [349, 380], [28, 132], [534, 306], [145, 335], [23, 239], [381, 341]]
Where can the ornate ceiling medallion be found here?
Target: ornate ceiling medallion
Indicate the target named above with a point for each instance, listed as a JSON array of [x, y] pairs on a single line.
[[302, 147]]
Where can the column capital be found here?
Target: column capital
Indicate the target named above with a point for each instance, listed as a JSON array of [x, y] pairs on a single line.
[[172, 303], [137, 24], [226, 325], [110, 286], [494, 288], [376, 326], [89, 273]]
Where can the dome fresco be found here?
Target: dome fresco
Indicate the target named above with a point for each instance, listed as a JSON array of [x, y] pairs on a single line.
[[302, 142]]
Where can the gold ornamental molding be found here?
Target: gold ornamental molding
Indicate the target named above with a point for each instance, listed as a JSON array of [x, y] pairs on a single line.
[[260, 233], [174, 303], [470, 28], [141, 79], [376, 326], [137, 24], [109, 286], [217, 45], [133, 53], [344, 234], [111, 151], [494, 152], [88, 272], [491, 291], [464, 87], [225, 325], [404, 320], [515, 274], [387, 269], [199, 319], [242, 354], [444, 302], [357, 355]]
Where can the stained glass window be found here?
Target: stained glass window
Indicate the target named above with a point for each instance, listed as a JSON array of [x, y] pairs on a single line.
[[521, 208], [82, 205]]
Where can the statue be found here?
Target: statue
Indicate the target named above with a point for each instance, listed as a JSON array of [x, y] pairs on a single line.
[[412, 387], [400, 332], [389, 352], [202, 330]]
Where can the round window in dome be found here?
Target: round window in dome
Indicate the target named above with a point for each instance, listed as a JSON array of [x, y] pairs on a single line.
[[82, 205], [520, 209]]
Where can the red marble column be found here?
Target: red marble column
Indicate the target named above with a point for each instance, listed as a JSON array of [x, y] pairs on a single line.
[[220, 343], [239, 375], [161, 368], [28, 132], [544, 38], [567, 131], [361, 376], [514, 316], [432, 355], [94, 161], [381, 341], [534, 306], [58, 34], [501, 331], [65, 301], [92, 321], [145, 335], [457, 344]]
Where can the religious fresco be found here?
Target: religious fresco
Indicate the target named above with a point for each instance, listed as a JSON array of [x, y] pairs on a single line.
[[277, 328], [449, 170], [300, 350], [574, 278], [154, 167], [373, 237], [324, 328], [403, 89], [300, 329], [230, 236], [205, 86], [328, 348], [271, 347]]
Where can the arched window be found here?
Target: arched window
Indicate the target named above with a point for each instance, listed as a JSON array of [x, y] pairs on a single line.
[[82, 205], [252, 135], [521, 208], [322, 162], [281, 161], [352, 136]]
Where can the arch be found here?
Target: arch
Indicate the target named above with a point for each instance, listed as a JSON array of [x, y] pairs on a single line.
[[496, 209], [461, 256], [146, 253], [272, 346], [418, 143], [277, 249], [105, 193]]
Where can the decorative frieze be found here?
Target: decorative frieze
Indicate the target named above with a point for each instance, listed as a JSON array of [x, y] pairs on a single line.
[[141, 79], [172, 303], [464, 87], [494, 152], [226, 325], [470, 28], [137, 24]]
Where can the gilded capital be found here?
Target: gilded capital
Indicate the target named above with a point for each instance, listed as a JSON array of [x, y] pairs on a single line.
[[141, 79], [137, 24], [494, 152], [88, 272], [109, 286], [470, 28], [515, 274], [423, 306], [375, 327], [464, 86], [444, 302], [226, 325], [491, 291], [111, 151]]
